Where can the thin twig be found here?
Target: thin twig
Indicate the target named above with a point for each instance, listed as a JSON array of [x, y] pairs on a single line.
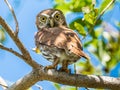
[[3, 86], [14, 16], [40, 87], [99, 16], [103, 11], [12, 51]]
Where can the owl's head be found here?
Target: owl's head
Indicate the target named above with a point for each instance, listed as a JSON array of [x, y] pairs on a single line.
[[50, 18]]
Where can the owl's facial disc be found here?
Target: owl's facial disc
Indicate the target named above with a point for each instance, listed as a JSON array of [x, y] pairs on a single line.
[[50, 18]]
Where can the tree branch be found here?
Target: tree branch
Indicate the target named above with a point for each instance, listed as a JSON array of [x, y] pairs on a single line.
[[14, 16], [91, 81], [27, 58], [26, 82], [3, 86], [12, 51]]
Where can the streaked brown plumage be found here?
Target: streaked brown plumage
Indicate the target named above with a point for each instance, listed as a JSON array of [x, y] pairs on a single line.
[[56, 41]]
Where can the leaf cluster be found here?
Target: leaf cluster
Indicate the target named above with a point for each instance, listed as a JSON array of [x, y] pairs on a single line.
[[101, 43]]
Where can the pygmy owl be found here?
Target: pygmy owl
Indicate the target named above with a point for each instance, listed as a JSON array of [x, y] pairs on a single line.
[[56, 41]]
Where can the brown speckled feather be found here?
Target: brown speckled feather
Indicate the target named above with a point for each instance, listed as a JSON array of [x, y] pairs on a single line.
[[60, 37]]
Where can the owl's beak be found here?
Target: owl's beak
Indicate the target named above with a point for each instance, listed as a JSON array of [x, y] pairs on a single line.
[[51, 22]]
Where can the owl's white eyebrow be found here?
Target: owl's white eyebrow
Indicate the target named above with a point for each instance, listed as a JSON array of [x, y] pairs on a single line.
[[54, 13], [45, 15]]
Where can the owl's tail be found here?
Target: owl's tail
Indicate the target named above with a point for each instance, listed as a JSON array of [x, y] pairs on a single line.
[[83, 54], [80, 53]]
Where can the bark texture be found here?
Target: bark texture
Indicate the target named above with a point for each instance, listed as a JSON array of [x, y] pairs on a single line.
[[91, 81]]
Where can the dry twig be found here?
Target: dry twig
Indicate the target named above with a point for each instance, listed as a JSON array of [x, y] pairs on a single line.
[[14, 16], [12, 51], [3, 84]]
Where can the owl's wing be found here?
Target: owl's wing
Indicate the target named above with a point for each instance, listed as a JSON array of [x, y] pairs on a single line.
[[74, 44], [63, 38], [73, 39]]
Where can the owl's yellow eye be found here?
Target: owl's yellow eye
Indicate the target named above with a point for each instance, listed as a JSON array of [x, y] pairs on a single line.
[[43, 19], [57, 16]]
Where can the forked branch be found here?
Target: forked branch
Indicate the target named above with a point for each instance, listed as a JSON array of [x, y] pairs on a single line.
[[11, 51], [27, 58]]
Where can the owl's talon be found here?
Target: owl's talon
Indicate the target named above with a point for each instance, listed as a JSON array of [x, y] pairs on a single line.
[[56, 68], [49, 67], [65, 70]]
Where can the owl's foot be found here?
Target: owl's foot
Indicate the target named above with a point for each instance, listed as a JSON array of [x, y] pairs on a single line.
[[64, 70], [64, 66], [53, 66], [50, 67]]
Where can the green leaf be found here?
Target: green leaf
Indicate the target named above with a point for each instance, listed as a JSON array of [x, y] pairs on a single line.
[[100, 49], [59, 1], [81, 67], [98, 31], [103, 5], [80, 28], [111, 63], [57, 86], [64, 7], [29, 89], [67, 88], [78, 21], [89, 18], [72, 5]]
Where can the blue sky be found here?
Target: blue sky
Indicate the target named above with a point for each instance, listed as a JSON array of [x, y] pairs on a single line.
[[11, 67]]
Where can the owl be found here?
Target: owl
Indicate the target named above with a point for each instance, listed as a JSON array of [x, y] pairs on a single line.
[[56, 42]]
